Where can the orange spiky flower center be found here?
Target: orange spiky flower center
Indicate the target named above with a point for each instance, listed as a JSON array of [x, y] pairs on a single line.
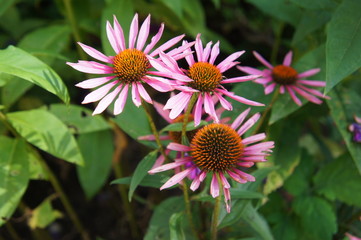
[[216, 147], [205, 76], [284, 75], [130, 65], [176, 136]]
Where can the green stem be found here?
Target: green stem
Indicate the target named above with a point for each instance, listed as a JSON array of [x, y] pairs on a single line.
[[266, 111], [154, 129], [53, 180], [74, 27], [214, 225]]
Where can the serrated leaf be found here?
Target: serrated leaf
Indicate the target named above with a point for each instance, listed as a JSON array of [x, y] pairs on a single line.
[[17, 62], [343, 105], [159, 223], [141, 171], [339, 180], [97, 160], [14, 175], [79, 118], [343, 46], [42, 129], [43, 215], [317, 218]]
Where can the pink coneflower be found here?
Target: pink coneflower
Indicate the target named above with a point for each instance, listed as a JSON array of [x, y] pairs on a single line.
[[219, 150], [288, 79], [202, 77], [129, 68]]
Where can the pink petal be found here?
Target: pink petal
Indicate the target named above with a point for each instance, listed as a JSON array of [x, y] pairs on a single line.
[[225, 104], [106, 101], [199, 48], [133, 31], [244, 175], [224, 181], [112, 38], [198, 110], [262, 60], [143, 93], [313, 83], [248, 124], [282, 89], [99, 93], [182, 51], [189, 58], [206, 52], [214, 53], [154, 40], [254, 158], [239, 120], [209, 107], [245, 164], [152, 137], [195, 184], [270, 88], [264, 146], [314, 92], [158, 84], [307, 95], [143, 33], [168, 166], [95, 53], [308, 73], [93, 68], [135, 95], [94, 82], [263, 81], [230, 59], [170, 62], [121, 100], [250, 70], [176, 178], [167, 45], [293, 96], [235, 177], [288, 59], [118, 34], [240, 79], [178, 147], [214, 186], [164, 113], [240, 99], [254, 138]]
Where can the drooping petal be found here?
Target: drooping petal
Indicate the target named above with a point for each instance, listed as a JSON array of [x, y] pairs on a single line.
[[244, 175], [214, 186], [308, 73], [224, 181], [143, 93], [178, 147], [306, 95], [209, 107], [99, 93], [262, 60], [198, 110], [94, 82], [91, 67], [121, 100], [313, 91], [288, 59], [225, 104], [143, 33], [168, 166], [106, 101], [293, 96], [236, 177], [176, 178], [95, 53], [312, 83], [240, 99], [158, 84], [164, 113], [135, 95], [270, 88], [133, 32]]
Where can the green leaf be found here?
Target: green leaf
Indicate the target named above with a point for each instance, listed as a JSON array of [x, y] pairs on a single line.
[[245, 194], [36, 171], [316, 216], [5, 4], [141, 171], [124, 11], [15, 87], [175, 6], [159, 223], [175, 226], [43, 215], [155, 181], [177, 127], [17, 62], [343, 46], [315, 5], [332, 179], [343, 105], [42, 129], [79, 118], [281, 9], [97, 160], [14, 175]]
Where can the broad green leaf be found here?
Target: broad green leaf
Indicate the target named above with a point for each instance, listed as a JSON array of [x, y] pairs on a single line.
[[343, 46], [46, 43], [245, 194], [332, 179], [281, 9], [310, 22], [14, 175], [286, 154], [97, 160], [43, 215], [195, 21], [284, 105], [124, 11], [315, 5], [5, 4], [17, 62], [317, 217], [15, 87], [175, 6], [155, 181], [36, 171], [176, 227], [134, 122], [178, 126], [79, 118], [256, 222], [141, 171], [42, 129], [343, 105], [159, 223]]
